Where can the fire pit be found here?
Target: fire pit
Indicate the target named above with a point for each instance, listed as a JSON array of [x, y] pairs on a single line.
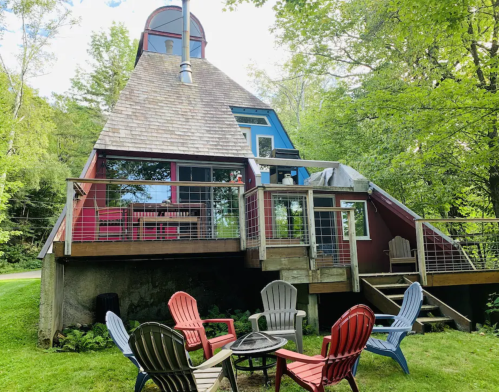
[[256, 345]]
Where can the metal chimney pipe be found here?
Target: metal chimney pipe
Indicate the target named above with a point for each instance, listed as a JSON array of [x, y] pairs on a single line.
[[169, 46], [185, 65]]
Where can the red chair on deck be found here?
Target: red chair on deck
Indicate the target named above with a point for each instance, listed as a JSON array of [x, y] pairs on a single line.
[[110, 223], [184, 310], [348, 338]]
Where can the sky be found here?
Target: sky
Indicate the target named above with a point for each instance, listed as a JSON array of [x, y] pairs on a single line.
[[235, 39]]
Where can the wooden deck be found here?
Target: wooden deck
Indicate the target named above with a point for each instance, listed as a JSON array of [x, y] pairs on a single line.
[[143, 248], [435, 279]]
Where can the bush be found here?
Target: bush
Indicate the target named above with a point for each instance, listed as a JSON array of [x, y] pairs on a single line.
[[19, 253], [19, 257], [84, 338]]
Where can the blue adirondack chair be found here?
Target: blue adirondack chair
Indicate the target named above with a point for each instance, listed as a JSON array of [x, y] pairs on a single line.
[[120, 337], [411, 306]]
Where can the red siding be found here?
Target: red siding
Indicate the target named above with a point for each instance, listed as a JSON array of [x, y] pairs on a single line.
[[370, 253]]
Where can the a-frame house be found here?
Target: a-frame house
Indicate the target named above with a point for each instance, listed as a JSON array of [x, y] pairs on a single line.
[[195, 185]]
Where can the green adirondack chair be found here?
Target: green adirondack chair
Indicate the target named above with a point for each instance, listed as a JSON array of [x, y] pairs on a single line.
[[161, 354]]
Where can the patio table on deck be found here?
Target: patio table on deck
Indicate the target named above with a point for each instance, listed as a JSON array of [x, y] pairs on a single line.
[[163, 209], [170, 219]]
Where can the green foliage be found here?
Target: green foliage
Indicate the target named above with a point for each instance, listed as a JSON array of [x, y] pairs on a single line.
[[492, 304], [42, 144], [487, 329], [113, 59], [242, 323], [18, 253], [78, 339], [133, 325], [408, 98]]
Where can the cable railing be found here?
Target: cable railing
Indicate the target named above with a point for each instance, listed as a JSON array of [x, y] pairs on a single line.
[[460, 244], [109, 210], [285, 216]]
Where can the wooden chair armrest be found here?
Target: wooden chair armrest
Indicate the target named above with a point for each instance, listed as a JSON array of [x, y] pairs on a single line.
[[229, 322], [215, 360], [301, 314], [384, 316], [391, 329], [387, 251], [254, 321], [287, 354]]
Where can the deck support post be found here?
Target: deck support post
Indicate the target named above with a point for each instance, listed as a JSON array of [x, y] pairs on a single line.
[[311, 229], [261, 224], [421, 253], [352, 239], [68, 235], [242, 217]]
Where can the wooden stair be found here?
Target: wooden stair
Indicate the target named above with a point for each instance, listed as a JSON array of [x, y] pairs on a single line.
[[387, 293]]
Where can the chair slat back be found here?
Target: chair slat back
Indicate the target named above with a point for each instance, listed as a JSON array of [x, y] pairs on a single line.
[[349, 336], [279, 304], [117, 331], [160, 351], [399, 247], [184, 310], [411, 306]]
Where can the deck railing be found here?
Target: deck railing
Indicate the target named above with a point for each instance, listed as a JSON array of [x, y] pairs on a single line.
[[285, 216], [126, 210], [460, 244]]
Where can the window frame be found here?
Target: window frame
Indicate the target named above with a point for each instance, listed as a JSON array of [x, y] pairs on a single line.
[[367, 237], [267, 123], [258, 137], [247, 131]]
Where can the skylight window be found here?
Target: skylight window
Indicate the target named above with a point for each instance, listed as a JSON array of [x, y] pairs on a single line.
[[252, 120]]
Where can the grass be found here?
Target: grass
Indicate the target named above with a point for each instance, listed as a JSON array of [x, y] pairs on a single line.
[[447, 361]]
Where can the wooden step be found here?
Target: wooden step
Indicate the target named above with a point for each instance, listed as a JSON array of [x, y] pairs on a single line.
[[395, 297], [429, 307], [431, 320], [391, 286]]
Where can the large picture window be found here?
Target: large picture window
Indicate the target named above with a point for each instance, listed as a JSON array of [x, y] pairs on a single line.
[[361, 221], [137, 170]]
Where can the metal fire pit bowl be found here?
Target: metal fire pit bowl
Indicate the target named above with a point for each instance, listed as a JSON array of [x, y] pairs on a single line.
[[256, 345]]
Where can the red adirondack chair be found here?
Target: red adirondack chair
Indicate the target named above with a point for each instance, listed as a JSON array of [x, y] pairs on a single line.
[[348, 338], [184, 310]]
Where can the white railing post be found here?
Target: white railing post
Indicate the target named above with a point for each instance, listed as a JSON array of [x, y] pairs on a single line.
[[69, 218], [261, 224], [354, 263], [242, 217], [421, 252], [311, 229]]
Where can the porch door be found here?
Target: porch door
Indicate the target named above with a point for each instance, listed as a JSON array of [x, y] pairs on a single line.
[[326, 232], [197, 194]]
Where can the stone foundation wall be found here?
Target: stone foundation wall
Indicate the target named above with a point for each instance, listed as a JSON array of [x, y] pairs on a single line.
[[144, 287]]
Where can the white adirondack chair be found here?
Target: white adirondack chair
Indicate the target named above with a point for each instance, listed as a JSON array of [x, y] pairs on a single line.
[[279, 304]]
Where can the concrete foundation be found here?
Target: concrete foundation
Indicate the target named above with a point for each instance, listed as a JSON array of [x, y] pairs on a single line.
[[51, 300], [144, 287], [309, 303]]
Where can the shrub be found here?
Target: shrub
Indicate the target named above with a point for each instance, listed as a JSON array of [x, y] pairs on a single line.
[[82, 338], [19, 253]]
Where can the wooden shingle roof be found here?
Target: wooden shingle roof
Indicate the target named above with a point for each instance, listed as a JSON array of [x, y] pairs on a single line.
[[157, 113]]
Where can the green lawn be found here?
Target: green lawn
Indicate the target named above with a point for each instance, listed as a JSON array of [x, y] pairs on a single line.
[[450, 361]]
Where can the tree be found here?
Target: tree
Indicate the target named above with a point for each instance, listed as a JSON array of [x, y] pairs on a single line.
[[41, 21], [419, 92], [113, 59]]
